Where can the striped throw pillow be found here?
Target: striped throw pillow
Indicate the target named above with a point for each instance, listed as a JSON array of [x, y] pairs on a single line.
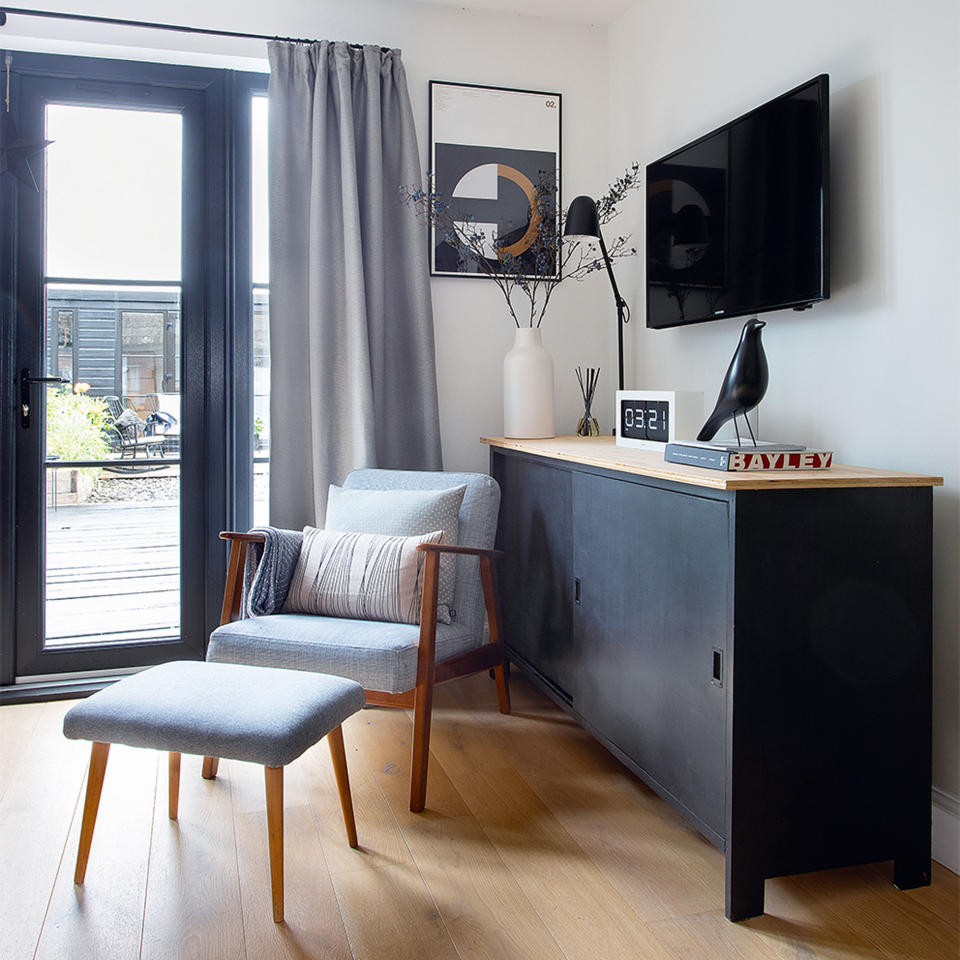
[[361, 576]]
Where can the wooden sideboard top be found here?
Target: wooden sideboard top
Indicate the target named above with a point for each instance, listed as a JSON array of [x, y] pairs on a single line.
[[604, 452]]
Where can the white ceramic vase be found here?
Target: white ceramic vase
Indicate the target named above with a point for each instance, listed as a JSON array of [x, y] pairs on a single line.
[[528, 387]]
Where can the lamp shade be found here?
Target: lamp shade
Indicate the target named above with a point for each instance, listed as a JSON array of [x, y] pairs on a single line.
[[583, 221]]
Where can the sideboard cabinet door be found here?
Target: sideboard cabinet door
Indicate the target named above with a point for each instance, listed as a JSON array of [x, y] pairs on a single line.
[[536, 585], [652, 627]]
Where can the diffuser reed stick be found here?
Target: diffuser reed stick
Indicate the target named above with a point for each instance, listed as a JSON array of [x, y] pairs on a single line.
[[587, 425]]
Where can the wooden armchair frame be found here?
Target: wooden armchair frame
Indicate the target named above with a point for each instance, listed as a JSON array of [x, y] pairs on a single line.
[[489, 656]]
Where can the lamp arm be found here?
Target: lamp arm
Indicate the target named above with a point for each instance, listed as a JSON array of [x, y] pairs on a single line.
[[609, 265], [622, 308]]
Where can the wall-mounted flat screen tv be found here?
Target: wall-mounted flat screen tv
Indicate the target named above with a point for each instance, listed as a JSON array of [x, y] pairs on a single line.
[[737, 221]]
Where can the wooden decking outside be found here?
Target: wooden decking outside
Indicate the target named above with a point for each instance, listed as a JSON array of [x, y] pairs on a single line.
[[113, 569], [535, 843], [113, 572]]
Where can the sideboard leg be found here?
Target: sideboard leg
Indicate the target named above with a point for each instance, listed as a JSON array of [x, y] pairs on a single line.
[[744, 897], [911, 871]]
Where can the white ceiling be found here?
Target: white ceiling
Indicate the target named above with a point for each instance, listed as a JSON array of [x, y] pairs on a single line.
[[577, 11]]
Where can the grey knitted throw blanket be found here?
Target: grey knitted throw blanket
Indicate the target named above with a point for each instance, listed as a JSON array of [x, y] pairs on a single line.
[[269, 570]]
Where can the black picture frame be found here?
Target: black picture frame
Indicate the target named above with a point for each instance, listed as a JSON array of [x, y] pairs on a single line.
[[516, 129]]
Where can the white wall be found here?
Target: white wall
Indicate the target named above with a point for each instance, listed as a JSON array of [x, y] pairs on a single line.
[[473, 327], [873, 373]]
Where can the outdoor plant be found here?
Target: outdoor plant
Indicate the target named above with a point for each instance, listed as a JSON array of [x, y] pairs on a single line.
[[76, 424], [538, 271]]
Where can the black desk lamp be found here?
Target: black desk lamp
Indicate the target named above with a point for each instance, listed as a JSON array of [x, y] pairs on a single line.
[[583, 224]]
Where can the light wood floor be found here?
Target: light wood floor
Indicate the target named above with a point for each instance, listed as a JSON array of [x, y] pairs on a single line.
[[535, 843]]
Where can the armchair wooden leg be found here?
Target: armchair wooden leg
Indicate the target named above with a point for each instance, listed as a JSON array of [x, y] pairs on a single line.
[[423, 697], [210, 765], [273, 777], [339, 757], [491, 597], [173, 787], [503, 687], [422, 713], [98, 767]]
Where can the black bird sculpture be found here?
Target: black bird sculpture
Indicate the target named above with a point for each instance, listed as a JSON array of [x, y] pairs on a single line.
[[745, 383]]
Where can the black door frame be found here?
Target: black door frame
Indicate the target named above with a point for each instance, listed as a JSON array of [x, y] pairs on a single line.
[[215, 481]]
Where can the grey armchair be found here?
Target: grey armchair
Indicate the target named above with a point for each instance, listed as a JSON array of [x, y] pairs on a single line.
[[398, 664]]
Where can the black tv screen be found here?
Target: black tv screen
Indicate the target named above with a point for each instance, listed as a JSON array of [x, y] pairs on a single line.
[[737, 220]]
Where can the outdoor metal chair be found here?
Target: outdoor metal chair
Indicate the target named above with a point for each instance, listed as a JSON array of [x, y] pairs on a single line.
[[128, 432], [398, 664]]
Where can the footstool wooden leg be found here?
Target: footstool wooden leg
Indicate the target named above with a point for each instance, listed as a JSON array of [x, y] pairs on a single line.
[[98, 766], [210, 765], [339, 757], [173, 800], [274, 783]]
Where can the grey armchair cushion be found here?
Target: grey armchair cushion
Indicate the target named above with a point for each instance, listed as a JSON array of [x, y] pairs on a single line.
[[403, 513], [378, 655], [478, 526], [367, 576]]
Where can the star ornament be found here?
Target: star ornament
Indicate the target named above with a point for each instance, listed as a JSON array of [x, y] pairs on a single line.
[[16, 151]]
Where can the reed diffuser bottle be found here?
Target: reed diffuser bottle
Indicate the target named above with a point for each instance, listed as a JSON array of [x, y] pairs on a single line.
[[587, 425]]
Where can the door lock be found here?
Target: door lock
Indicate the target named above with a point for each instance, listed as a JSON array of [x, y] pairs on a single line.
[[25, 381]]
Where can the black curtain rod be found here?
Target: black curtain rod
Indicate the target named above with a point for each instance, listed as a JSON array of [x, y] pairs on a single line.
[[114, 21]]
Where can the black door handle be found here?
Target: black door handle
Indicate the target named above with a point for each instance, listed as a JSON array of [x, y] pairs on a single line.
[[25, 381]]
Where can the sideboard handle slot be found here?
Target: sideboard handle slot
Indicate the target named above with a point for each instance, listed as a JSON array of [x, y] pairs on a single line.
[[576, 591], [717, 677]]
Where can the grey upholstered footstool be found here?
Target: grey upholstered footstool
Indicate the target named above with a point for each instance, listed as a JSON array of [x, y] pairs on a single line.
[[260, 714]]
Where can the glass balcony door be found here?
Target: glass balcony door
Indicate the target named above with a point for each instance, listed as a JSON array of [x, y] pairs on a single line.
[[114, 512]]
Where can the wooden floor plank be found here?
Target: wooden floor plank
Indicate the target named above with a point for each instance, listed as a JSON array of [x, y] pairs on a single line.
[[312, 924], [797, 926], [104, 916], [388, 912], [538, 735], [942, 897], [659, 865], [17, 727], [381, 841], [709, 936], [483, 907], [585, 914], [383, 735], [893, 922], [36, 813], [457, 740], [193, 907]]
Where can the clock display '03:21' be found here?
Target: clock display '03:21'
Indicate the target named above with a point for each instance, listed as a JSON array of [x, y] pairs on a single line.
[[645, 421]]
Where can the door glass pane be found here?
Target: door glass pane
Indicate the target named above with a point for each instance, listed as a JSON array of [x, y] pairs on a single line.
[[112, 454], [260, 271], [113, 193], [60, 349]]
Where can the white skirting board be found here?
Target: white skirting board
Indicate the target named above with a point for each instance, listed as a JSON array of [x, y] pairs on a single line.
[[946, 830]]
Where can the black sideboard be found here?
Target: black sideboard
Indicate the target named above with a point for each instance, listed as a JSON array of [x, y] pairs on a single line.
[[756, 647]]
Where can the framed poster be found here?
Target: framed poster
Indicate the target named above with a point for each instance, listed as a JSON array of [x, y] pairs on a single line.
[[495, 158]]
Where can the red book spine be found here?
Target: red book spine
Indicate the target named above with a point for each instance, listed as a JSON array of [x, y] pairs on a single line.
[[804, 460]]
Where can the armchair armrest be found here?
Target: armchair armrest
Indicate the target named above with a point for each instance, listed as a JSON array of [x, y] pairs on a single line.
[[233, 587], [453, 548], [234, 537]]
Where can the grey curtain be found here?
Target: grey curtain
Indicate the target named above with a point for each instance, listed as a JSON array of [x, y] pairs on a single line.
[[353, 370]]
